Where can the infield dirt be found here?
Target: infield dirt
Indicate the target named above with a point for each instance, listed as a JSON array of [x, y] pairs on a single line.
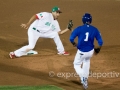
[[35, 69]]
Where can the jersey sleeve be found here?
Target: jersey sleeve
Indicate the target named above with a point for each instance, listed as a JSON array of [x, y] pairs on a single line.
[[37, 17], [99, 38], [40, 15]]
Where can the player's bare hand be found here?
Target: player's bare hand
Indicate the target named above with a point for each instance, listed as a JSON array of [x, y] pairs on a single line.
[[26, 26]]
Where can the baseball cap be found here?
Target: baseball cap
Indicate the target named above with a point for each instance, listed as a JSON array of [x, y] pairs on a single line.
[[56, 9]]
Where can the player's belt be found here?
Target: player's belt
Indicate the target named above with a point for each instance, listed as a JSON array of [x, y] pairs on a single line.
[[36, 29]]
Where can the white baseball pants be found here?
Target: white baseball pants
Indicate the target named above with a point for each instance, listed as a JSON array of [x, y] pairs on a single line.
[[82, 63], [33, 36]]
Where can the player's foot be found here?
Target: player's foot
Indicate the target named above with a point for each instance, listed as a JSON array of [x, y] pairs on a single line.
[[12, 55], [85, 83], [65, 53]]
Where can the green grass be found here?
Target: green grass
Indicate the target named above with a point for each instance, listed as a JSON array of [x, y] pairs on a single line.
[[47, 87]]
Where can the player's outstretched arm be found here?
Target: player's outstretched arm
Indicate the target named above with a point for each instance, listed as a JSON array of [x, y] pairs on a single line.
[[69, 27], [26, 26], [63, 31]]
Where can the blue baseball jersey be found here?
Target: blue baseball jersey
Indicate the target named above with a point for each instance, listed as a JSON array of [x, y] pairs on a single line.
[[86, 35]]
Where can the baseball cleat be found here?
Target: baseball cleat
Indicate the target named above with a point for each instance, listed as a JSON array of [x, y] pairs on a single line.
[[85, 83], [65, 53], [12, 55]]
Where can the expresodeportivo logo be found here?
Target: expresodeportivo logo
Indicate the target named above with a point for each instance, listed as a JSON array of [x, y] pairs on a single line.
[[92, 74]]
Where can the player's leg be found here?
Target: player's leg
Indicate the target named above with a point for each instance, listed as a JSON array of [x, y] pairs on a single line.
[[78, 61], [32, 39], [86, 67], [60, 47], [56, 38], [86, 63], [58, 43]]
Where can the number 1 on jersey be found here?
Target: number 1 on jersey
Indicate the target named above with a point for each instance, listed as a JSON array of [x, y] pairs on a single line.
[[87, 34]]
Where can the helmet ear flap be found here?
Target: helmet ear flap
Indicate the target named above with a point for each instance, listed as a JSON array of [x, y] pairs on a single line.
[[87, 18]]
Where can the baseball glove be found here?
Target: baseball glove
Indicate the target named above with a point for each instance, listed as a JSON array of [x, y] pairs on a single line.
[[97, 50], [70, 25]]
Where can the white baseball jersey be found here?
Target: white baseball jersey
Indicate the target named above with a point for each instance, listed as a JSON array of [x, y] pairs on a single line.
[[46, 22]]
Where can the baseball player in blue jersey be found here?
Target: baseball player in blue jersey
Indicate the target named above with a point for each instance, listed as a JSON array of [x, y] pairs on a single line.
[[86, 34]]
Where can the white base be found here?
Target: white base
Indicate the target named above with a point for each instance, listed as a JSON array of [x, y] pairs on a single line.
[[31, 52]]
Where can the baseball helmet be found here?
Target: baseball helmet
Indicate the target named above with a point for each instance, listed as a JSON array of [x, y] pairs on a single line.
[[86, 18]]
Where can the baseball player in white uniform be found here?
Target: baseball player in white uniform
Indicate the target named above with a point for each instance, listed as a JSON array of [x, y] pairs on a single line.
[[45, 25]]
